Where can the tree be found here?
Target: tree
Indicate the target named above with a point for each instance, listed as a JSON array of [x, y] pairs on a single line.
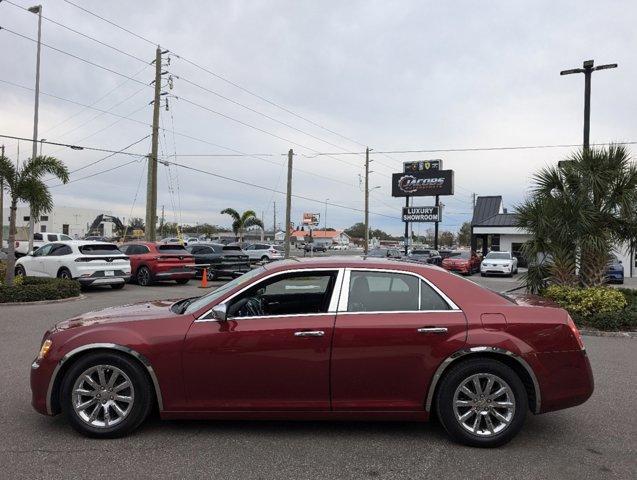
[[575, 213], [464, 234], [136, 223], [26, 184], [446, 239], [241, 222], [356, 231]]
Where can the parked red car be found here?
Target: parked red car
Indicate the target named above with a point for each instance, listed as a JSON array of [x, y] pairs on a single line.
[[462, 261], [326, 338], [151, 262]]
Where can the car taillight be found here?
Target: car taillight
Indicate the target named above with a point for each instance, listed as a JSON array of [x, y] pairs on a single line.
[[576, 333], [272, 250]]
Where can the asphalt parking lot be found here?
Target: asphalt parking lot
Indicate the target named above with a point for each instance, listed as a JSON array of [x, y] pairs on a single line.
[[595, 440]]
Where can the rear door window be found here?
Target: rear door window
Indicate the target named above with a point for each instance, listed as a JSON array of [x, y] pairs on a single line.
[[382, 292]]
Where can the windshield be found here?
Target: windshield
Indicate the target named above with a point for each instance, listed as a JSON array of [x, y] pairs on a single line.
[[172, 249], [460, 254], [378, 252], [420, 252], [201, 302], [498, 256]]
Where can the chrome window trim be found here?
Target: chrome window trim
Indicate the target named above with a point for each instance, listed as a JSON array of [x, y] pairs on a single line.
[[332, 304], [108, 346], [342, 306], [477, 350]]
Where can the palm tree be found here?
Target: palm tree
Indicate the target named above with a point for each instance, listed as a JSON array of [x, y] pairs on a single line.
[[240, 222], [576, 212], [26, 184]]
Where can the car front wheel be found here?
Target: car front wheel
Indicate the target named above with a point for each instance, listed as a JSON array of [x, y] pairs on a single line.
[[482, 403], [20, 271], [105, 395]]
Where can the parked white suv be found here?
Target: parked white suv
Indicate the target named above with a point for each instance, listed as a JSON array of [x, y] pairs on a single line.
[[89, 262], [500, 263], [265, 252], [39, 239]]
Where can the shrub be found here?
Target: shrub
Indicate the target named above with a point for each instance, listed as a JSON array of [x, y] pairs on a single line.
[[33, 289], [586, 302]]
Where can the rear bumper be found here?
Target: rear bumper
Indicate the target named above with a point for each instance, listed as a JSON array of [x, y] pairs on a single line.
[[615, 277], [565, 378], [115, 280]]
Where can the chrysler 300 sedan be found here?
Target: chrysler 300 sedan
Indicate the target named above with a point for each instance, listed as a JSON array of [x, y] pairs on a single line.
[[318, 339]]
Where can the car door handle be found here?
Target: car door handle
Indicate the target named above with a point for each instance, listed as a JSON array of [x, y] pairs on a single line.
[[438, 330], [310, 333]]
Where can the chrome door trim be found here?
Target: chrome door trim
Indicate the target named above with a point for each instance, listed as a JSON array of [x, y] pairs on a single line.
[[342, 305], [477, 350], [331, 308], [310, 333], [107, 346]]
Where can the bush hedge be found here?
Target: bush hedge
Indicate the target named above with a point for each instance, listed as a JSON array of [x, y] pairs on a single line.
[[34, 289], [601, 308]]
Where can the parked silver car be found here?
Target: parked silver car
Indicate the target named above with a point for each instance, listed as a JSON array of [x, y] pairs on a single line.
[[265, 252]]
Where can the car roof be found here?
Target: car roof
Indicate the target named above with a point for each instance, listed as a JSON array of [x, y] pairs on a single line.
[[80, 243], [348, 262]]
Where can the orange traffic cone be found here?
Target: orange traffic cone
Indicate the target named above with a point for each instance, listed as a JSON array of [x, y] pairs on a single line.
[[204, 278]]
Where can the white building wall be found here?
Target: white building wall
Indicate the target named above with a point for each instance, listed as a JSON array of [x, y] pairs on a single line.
[[60, 219], [506, 240]]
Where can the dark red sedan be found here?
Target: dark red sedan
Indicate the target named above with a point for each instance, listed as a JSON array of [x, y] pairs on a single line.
[[328, 338], [462, 261], [151, 262]]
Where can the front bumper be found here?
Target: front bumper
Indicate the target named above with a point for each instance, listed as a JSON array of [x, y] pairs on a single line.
[[456, 268], [615, 277], [496, 269]]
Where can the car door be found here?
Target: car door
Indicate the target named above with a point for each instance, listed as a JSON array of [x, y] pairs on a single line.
[[54, 259], [250, 251], [35, 265], [267, 358], [392, 331]]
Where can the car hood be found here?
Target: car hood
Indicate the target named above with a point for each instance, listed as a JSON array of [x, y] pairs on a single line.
[[497, 261], [125, 313]]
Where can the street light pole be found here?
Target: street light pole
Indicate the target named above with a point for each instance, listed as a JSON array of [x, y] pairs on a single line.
[[587, 70], [35, 9], [325, 217]]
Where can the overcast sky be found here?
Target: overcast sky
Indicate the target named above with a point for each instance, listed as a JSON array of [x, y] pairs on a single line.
[[394, 75]]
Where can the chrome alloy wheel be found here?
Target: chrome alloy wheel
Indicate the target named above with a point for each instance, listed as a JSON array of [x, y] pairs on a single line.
[[484, 404], [103, 396]]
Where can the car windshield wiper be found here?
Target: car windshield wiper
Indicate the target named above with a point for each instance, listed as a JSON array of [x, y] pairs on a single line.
[[181, 306]]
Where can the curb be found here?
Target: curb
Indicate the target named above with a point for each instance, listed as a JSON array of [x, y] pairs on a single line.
[[43, 302], [599, 333]]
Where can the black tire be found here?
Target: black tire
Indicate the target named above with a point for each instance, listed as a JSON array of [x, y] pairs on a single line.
[[265, 258], [65, 273], [144, 277], [483, 274], [445, 398], [182, 281], [212, 275], [118, 286], [20, 271], [142, 398]]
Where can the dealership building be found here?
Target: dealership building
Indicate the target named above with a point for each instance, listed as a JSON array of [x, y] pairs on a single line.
[[496, 229]]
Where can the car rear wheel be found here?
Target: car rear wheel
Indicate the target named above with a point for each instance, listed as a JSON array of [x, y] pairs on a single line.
[[105, 395], [265, 258], [482, 403], [212, 275], [144, 277], [64, 273]]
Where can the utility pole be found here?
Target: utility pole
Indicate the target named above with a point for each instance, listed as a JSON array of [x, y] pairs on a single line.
[[1, 203], [288, 205], [436, 224], [274, 218], [366, 245], [151, 184], [587, 70], [38, 10]]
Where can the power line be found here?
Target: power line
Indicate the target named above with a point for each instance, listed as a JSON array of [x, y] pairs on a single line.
[[82, 34], [97, 173], [75, 56], [74, 147]]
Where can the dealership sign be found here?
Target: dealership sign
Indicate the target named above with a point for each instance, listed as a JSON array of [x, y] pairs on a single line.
[[422, 165], [422, 184], [311, 218], [421, 214]]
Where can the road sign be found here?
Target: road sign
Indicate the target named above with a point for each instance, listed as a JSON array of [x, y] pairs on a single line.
[[422, 184], [422, 214], [422, 165]]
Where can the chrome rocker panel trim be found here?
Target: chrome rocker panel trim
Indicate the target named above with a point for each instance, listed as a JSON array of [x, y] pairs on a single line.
[[476, 350], [108, 346]]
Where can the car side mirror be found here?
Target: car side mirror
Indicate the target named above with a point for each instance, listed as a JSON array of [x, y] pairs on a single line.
[[30, 254], [220, 312]]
